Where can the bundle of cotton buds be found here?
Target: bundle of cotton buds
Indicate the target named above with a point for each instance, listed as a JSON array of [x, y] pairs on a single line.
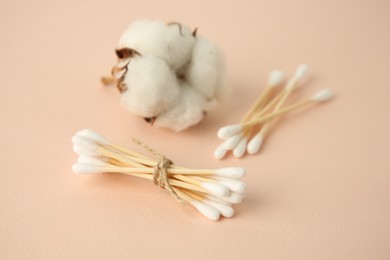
[[211, 191], [249, 134], [167, 74]]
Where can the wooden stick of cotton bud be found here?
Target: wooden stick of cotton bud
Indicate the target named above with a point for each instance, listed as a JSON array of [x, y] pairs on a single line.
[[321, 96]]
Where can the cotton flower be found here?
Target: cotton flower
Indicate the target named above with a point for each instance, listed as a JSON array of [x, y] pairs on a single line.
[[167, 74], [151, 86], [189, 109]]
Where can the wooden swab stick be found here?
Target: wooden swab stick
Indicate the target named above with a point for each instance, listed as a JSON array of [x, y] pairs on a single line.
[[269, 105], [280, 99], [87, 169], [321, 96], [238, 142], [275, 79], [229, 172], [256, 142], [278, 113]]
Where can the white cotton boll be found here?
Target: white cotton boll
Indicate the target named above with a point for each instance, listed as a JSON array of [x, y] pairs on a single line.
[[123, 63], [120, 74], [206, 72], [148, 37], [180, 45], [189, 109], [167, 42], [222, 89], [169, 61], [151, 86]]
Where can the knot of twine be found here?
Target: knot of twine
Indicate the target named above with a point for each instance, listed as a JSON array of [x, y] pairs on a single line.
[[160, 172]]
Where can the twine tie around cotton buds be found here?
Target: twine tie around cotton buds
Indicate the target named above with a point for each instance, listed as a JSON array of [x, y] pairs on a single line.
[[160, 171]]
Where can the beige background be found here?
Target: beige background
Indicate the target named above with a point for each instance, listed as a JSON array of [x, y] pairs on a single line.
[[319, 189]]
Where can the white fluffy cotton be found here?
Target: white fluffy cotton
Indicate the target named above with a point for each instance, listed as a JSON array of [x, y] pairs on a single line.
[[151, 86], [206, 72], [172, 43], [189, 109], [177, 76]]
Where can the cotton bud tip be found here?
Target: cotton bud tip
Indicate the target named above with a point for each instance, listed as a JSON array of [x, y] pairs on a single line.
[[220, 153], [85, 159], [231, 172], [233, 185], [239, 151], [215, 189], [225, 210], [83, 168], [84, 143], [323, 95], [255, 144], [234, 197], [213, 198], [81, 151], [93, 136], [275, 78], [301, 71], [206, 210], [78, 150], [232, 142], [228, 131]]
